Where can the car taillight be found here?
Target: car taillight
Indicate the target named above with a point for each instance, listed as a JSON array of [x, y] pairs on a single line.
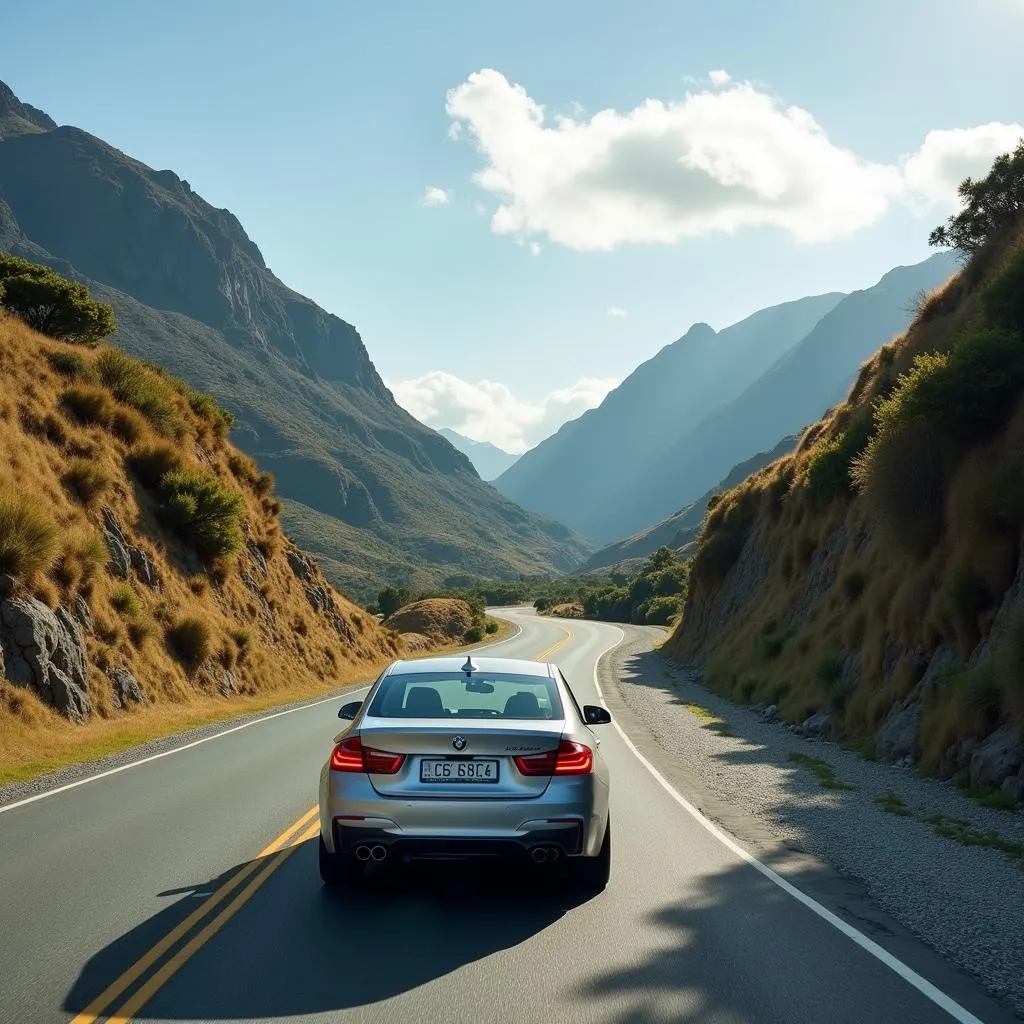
[[569, 759], [351, 756]]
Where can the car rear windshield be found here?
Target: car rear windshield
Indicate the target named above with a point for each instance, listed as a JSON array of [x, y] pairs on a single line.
[[434, 696]]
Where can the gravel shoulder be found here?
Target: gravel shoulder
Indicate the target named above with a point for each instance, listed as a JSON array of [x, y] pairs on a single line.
[[964, 901]]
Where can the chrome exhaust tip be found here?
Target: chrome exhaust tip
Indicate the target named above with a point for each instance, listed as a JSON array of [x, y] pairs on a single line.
[[378, 852], [362, 853], [539, 855]]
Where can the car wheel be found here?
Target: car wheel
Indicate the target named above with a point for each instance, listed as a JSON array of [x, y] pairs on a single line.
[[336, 870], [592, 873]]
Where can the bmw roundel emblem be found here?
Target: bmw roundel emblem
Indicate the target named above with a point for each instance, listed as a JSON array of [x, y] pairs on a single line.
[[459, 742]]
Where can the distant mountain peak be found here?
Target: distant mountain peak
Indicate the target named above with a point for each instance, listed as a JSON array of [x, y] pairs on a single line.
[[16, 117], [488, 459]]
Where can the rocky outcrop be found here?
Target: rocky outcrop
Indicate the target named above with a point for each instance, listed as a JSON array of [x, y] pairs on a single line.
[[45, 651], [898, 736], [124, 556], [125, 688], [317, 593], [83, 613], [999, 756]]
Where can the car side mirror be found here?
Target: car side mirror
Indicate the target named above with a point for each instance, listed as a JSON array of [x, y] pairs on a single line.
[[595, 715], [351, 709]]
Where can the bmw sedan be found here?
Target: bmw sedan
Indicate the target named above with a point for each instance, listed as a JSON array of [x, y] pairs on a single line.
[[450, 759]]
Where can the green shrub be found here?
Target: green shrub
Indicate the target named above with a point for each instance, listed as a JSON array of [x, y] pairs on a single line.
[[474, 634], [491, 626], [89, 404], [723, 535], [152, 463], [205, 407], [136, 385], [202, 511], [191, 640], [829, 464], [73, 365], [661, 610], [1003, 297], [51, 304], [87, 480], [390, 599], [27, 538], [125, 601]]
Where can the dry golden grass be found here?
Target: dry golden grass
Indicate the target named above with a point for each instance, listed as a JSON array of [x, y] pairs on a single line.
[[282, 648], [443, 619]]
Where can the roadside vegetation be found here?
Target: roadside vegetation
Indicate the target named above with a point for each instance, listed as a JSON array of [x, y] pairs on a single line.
[[127, 518], [874, 575]]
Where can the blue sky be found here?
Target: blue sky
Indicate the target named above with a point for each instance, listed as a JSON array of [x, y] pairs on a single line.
[[322, 124]]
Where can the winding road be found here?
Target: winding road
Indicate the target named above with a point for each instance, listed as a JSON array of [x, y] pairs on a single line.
[[185, 888]]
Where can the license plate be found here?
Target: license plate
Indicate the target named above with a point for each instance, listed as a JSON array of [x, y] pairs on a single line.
[[449, 770]]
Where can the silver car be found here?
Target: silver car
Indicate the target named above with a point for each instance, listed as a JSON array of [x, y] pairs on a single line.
[[450, 759]]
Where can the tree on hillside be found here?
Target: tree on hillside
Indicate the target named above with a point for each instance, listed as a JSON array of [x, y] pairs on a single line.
[[390, 599], [52, 304], [991, 204]]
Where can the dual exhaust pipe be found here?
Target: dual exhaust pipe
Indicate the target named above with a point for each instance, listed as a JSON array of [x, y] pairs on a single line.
[[376, 852], [545, 854]]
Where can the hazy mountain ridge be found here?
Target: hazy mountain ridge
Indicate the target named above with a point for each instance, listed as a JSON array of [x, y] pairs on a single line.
[[488, 459], [192, 292], [577, 474]]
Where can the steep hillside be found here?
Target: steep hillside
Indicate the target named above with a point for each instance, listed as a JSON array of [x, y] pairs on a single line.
[[576, 475], [795, 391], [145, 582], [874, 579], [488, 460], [680, 529], [376, 494]]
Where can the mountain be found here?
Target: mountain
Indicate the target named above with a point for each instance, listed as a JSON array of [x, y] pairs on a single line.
[[576, 475], [681, 528], [373, 493], [806, 381], [870, 586], [488, 459]]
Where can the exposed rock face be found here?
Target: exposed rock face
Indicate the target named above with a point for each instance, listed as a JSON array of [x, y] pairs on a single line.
[[45, 651], [897, 737], [998, 756], [124, 556], [125, 687], [819, 725], [83, 613], [317, 593]]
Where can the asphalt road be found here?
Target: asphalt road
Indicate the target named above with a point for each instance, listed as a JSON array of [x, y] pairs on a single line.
[[186, 889]]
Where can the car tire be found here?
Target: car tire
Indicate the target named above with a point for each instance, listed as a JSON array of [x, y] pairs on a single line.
[[592, 873], [336, 870]]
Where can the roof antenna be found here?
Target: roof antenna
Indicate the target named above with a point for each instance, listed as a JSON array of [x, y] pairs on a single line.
[[470, 667]]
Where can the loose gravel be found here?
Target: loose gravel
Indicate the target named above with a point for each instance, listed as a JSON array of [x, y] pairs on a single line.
[[966, 902]]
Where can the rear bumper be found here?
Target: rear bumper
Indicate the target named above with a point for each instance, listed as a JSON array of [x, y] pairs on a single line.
[[567, 839]]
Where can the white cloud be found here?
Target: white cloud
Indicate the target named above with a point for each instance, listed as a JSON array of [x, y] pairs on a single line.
[[947, 157], [488, 411], [434, 196], [535, 248], [728, 157], [615, 311]]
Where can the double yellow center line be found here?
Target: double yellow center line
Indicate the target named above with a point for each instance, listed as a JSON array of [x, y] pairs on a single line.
[[256, 872], [234, 893]]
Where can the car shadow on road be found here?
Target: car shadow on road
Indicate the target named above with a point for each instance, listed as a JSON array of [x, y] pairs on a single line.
[[297, 948]]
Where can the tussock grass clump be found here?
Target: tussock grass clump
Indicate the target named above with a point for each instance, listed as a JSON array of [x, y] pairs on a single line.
[[73, 365], [243, 640], [89, 404], [830, 462], [137, 386], [125, 601], [207, 409], [28, 539], [203, 511], [152, 463], [127, 425], [725, 531], [87, 480], [264, 483], [190, 639]]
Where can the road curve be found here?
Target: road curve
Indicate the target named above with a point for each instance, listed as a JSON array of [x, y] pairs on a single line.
[[186, 889]]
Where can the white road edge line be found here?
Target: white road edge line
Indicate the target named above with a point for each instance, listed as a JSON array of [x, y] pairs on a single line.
[[925, 987], [206, 739]]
